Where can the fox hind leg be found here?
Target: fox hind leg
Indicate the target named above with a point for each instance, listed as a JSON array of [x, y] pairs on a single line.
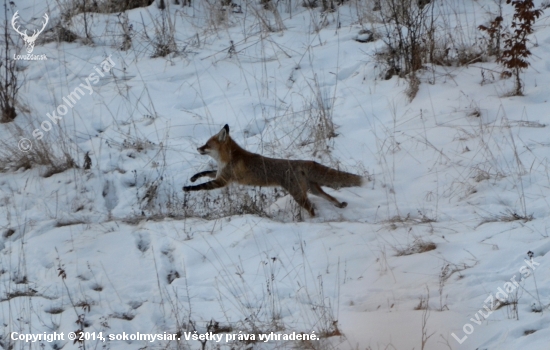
[[316, 189], [298, 191], [301, 198]]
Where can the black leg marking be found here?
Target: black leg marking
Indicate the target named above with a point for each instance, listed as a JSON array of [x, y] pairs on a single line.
[[209, 173]]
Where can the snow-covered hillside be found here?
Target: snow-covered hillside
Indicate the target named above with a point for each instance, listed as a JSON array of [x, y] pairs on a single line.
[[445, 247]]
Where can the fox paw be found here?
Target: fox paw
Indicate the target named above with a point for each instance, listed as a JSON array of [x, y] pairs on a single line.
[[186, 188], [193, 178], [343, 205]]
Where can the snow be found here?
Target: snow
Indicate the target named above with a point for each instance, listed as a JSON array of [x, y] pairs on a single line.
[[451, 167]]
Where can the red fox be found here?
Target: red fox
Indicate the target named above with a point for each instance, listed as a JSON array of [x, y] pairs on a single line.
[[236, 164]]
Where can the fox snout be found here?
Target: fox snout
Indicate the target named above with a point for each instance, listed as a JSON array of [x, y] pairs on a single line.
[[202, 150]]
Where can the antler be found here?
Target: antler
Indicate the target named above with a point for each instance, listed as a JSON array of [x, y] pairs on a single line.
[[13, 23], [35, 34]]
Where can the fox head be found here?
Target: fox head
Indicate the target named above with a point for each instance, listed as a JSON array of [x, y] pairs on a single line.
[[216, 144]]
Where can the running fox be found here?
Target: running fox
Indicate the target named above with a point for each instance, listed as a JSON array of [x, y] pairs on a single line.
[[236, 164]]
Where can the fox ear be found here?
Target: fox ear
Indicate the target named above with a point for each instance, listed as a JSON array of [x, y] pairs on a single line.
[[222, 135]]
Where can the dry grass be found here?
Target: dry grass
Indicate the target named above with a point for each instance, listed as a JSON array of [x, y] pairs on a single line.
[[408, 220], [53, 154], [417, 247], [508, 216]]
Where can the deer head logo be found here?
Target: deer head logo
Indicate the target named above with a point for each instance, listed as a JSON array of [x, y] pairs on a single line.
[[29, 40]]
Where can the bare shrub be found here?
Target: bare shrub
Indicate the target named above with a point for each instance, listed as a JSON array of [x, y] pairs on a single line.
[[9, 84], [418, 33], [409, 37], [164, 41], [409, 34]]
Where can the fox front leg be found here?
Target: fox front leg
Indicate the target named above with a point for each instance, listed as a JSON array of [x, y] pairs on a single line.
[[209, 173], [210, 185]]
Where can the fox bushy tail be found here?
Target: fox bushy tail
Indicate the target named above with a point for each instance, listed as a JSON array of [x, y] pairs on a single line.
[[329, 177]]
